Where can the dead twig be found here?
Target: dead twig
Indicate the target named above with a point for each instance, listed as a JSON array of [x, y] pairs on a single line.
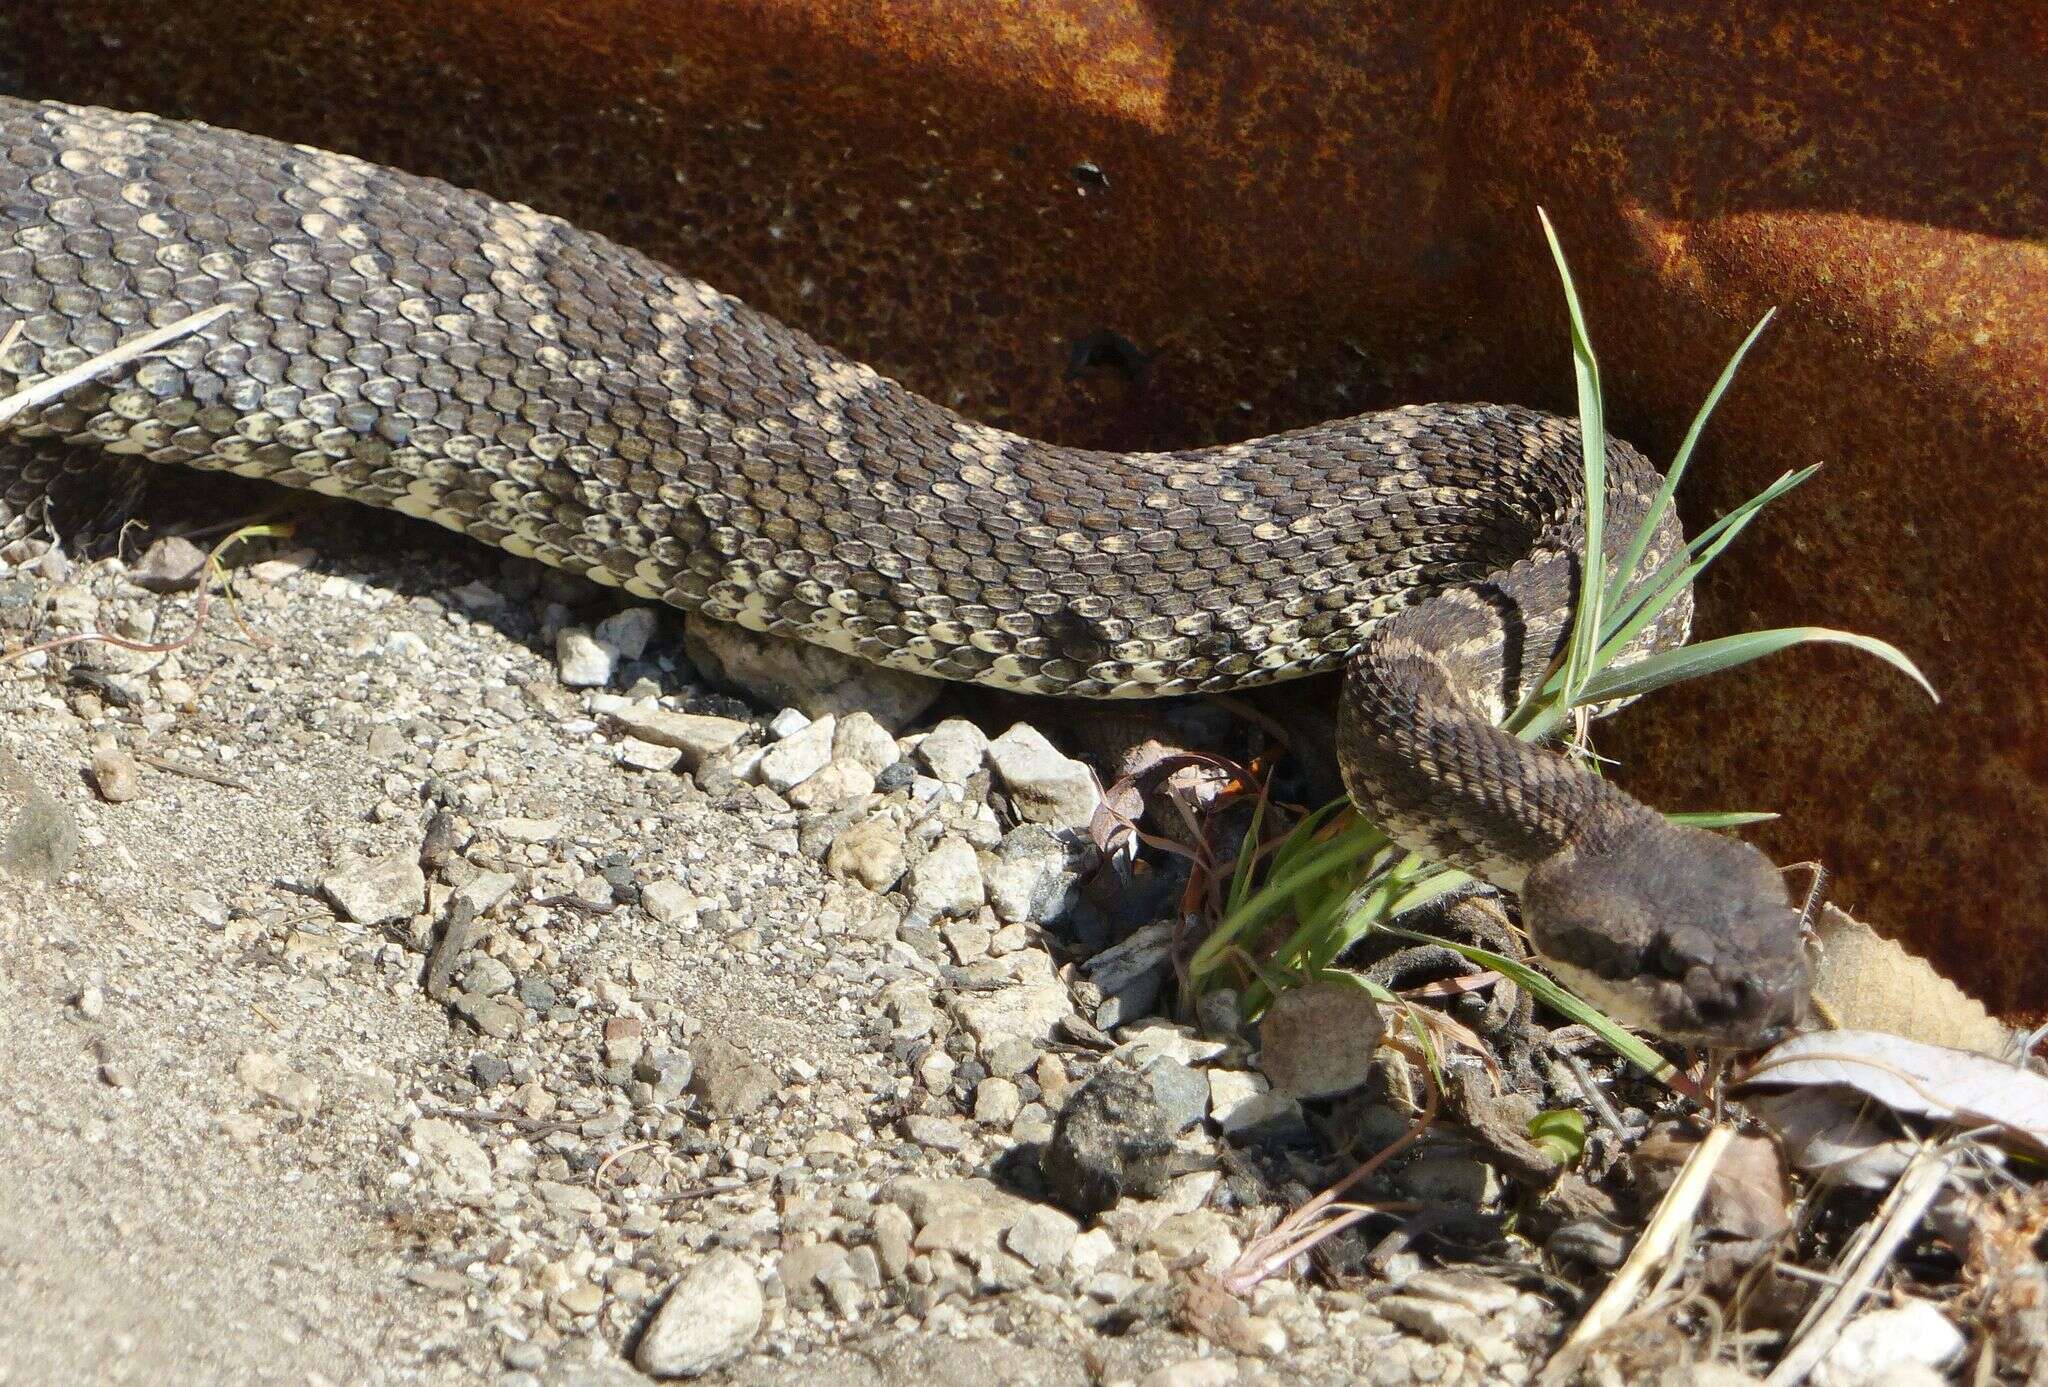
[[1671, 1223], [1323, 1217], [1868, 1253], [165, 763], [53, 387]]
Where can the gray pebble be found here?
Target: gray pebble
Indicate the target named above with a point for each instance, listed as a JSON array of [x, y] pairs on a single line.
[[1182, 1093], [729, 1082], [488, 977], [626, 633], [174, 564], [1111, 1139], [1318, 1040]]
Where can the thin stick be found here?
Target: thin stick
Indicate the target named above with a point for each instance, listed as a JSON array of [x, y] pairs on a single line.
[[1917, 1185], [165, 763], [1595, 1098], [51, 387], [1307, 1226], [1673, 1217]]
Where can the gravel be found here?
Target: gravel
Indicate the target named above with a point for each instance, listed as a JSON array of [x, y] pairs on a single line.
[[505, 1003]]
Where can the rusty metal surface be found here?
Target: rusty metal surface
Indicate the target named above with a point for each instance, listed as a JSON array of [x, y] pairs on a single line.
[[1250, 216]]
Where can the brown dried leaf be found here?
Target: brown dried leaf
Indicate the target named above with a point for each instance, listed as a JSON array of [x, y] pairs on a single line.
[[1746, 1196], [1869, 983]]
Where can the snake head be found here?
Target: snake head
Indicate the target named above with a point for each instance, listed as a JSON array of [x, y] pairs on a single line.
[[1673, 929]]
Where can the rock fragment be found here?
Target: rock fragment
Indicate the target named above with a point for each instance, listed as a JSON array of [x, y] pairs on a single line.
[[708, 1319]]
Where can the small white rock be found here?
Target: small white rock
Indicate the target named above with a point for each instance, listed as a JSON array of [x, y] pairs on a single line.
[[583, 662], [1192, 1372], [1030, 1008], [115, 774], [267, 1075], [1044, 786], [865, 742], [635, 754], [871, 852], [708, 1319], [486, 890], [799, 756], [947, 880], [953, 750], [840, 783], [518, 830], [1915, 1334], [376, 890], [1231, 1089], [456, 1165], [695, 735], [997, 1102], [1044, 1236], [670, 903], [626, 633]]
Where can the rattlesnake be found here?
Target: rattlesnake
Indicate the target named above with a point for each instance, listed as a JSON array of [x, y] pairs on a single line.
[[414, 346]]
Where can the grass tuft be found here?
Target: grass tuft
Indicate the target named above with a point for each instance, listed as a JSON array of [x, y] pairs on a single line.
[[1337, 878]]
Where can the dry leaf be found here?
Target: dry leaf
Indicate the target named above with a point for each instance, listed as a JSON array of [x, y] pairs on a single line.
[[1837, 1133], [1746, 1196], [1911, 1077], [1869, 983]]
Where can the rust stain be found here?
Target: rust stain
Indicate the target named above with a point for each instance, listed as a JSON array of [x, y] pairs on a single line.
[[1306, 212]]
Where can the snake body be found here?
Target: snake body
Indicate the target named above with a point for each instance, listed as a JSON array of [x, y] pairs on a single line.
[[415, 346]]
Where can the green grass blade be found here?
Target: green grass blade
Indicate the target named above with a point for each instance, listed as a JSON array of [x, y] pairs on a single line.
[[1724, 818], [1746, 512], [1302, 837], [1660, 592], [1304, 867], [1438, 883], [1247, 853], [1585, 639], [1679, 461], [1547, 991], [1711, 657], [1389, 899]]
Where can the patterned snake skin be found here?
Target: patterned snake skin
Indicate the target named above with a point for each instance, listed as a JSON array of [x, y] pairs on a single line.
[[410, 345]]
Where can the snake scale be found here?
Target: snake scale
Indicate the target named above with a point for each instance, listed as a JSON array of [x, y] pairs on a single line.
[[407, 344]]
